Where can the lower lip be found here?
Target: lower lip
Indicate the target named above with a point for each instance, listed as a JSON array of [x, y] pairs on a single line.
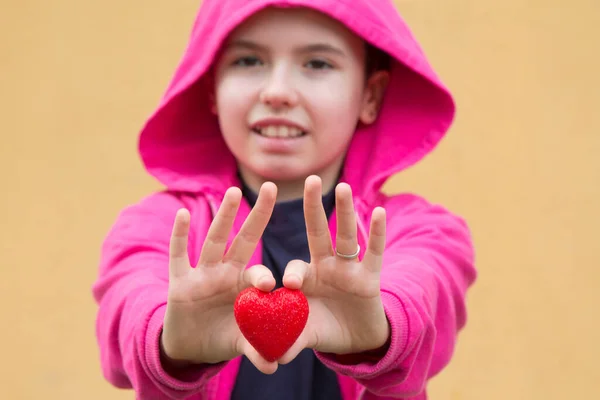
[[278, 144]]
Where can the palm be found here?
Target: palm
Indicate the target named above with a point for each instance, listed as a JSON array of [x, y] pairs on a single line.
[[332, 280], [209, 294], [199, 322], [346, 313], [199, 285]]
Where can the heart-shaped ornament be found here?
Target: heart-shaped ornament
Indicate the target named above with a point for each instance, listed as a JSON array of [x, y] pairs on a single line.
[[271, 321]]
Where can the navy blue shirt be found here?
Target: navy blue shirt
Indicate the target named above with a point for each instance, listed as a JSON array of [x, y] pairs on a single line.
[[305, 378]]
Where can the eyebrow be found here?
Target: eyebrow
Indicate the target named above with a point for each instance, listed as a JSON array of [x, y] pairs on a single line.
[[311, 48]]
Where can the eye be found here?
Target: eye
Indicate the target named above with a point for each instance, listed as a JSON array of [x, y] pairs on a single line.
[[319, 64], [248, 61]]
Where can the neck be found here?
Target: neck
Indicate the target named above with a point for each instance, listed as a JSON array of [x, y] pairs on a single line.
[[291, 189]]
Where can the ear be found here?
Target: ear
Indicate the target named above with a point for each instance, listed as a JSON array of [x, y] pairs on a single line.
[[373, 96]]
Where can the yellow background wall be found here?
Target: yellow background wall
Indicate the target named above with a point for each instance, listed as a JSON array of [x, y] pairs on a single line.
[[78, 78]]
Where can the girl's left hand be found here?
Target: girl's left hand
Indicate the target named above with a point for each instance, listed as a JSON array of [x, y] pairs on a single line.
[[346, 313]]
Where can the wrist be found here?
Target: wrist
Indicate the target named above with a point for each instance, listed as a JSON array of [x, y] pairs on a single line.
[[370, 356], [169, 363]]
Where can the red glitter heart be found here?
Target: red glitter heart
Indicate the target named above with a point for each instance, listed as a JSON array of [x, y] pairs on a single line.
[[271, 321]]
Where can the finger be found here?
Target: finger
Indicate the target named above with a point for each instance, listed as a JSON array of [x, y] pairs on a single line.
[[218, 234], [374, 255], [256, 359], [247, 239], [295, 274], [260, 277], [178, 246], [317, 228], [346, 241]]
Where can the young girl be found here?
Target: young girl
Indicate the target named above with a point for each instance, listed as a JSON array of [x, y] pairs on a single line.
[[280, 126]]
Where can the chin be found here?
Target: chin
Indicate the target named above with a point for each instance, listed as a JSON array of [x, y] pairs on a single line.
[[284, 176]]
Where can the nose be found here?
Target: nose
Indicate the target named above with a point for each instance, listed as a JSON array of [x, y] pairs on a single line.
[[279, 91]]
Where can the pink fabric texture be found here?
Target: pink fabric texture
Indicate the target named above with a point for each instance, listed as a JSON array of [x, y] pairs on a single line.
[[429, 259]]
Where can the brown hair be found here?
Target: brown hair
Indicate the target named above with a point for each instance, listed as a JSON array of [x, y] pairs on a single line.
[[376, 60]]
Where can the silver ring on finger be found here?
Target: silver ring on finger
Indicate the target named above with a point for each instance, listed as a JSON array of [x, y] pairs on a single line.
[[348, 256]]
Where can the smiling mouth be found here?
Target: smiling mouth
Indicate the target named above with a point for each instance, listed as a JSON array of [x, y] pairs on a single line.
[[285, 132]]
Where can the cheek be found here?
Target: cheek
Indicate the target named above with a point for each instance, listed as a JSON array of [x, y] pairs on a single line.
[[232, 106], [233, 96], [340, 93], [338, 104]]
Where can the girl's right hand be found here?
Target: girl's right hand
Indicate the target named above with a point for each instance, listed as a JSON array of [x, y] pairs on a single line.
[[199, 325]]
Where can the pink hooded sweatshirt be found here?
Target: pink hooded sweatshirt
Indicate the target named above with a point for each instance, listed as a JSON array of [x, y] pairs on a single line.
[[428, 264]]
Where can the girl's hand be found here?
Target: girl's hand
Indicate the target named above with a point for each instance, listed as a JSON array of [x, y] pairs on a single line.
[[346, 312], [199, 326]]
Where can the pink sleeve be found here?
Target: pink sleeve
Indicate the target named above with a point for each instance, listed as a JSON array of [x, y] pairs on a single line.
[[428, 267], [131, 291]]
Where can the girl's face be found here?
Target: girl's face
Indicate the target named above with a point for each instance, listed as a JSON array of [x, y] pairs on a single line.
[[290, 88]]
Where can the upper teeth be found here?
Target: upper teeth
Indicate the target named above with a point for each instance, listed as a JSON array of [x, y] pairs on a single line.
[[279, 131]]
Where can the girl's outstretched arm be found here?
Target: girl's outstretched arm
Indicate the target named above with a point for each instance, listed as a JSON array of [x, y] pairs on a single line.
[[428, 265], [131, 291]]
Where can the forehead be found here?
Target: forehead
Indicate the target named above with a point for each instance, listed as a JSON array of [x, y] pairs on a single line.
[[291, 25]]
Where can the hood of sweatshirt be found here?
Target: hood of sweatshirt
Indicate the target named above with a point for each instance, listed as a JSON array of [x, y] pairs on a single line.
[[182, 147]]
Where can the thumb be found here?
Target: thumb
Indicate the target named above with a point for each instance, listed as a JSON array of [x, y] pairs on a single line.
[[264, 366], [296, 272], [300, 344]]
